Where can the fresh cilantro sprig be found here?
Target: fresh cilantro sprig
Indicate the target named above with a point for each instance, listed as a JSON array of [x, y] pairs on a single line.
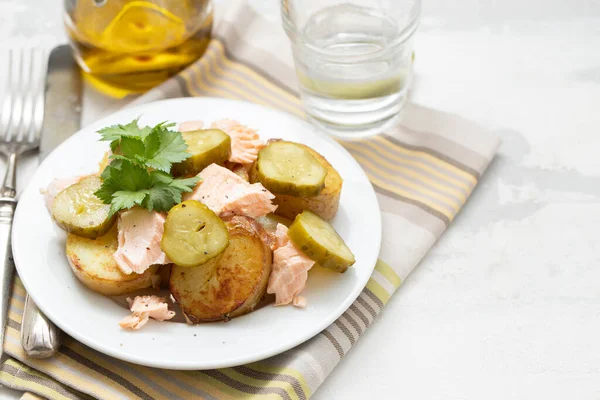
[[139, 173], [156, 147]]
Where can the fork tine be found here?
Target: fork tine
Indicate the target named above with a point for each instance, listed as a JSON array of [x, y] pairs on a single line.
[[39, 97], [8, 94], [23, 107], [17, 101], [27, 87]]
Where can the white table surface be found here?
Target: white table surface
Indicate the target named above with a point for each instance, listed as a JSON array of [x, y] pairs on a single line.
[[507, 304]]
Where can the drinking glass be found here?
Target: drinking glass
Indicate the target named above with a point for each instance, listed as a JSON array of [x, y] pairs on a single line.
[[353, 60], [126, 46]]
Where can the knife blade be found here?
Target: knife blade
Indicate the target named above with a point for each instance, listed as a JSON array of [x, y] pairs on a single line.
[[40, 338], [62, 109]]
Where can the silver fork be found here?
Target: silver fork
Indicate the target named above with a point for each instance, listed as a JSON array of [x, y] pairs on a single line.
[[22, 118]]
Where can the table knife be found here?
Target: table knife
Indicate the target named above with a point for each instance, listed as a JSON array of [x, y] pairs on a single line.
[[40, 338]]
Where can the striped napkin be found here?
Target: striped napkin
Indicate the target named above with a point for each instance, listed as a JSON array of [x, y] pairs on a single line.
[[423, 171]]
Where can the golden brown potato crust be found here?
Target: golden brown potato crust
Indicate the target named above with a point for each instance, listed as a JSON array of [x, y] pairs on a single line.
[[92, 262], [228, 286]]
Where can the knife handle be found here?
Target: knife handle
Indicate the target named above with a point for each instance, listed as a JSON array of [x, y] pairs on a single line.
[[7, 210], [40, 338]]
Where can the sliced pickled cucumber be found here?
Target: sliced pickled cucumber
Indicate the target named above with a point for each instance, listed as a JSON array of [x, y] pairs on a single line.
[[320, 242], [77, 209], [289, 168], [193, 234], [206, 147], [270, 221]]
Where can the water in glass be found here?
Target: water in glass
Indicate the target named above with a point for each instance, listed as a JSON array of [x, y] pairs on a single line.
[[354, 65]]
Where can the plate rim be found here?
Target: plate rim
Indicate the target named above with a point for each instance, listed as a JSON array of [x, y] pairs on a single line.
[[178, 365]]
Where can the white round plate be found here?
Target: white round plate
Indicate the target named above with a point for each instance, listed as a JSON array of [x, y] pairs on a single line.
[[39, 253]]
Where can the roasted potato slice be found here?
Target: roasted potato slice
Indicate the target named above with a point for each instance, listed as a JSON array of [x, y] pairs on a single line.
[[325, 205], [230, 286], [104, 162], [93, 264], [162, 276]]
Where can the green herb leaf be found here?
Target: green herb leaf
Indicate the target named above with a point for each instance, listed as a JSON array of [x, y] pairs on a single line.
[[151, 143], [164, 186], [162, 197], [144, 132], [131, 147], [124, 199], [160, 177], [185, 185], [131, 177], [106, 191], [116, 132], [138, 174], [171, 149], [137, 161]]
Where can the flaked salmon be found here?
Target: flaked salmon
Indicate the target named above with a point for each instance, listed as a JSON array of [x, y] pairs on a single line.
[[190, 126], [242, 170], [134, 321], [290, 270], [299, 301], [225, 192], [139, 234], [145, 307], [245, 142], [57, 186]]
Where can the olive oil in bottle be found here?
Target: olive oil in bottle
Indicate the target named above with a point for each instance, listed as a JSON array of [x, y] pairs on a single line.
[[130, 46]]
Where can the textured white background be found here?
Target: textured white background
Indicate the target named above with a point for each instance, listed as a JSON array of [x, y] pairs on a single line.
[[507, 305]]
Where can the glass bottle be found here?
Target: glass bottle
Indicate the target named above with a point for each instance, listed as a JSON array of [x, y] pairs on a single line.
[[129, 46]]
